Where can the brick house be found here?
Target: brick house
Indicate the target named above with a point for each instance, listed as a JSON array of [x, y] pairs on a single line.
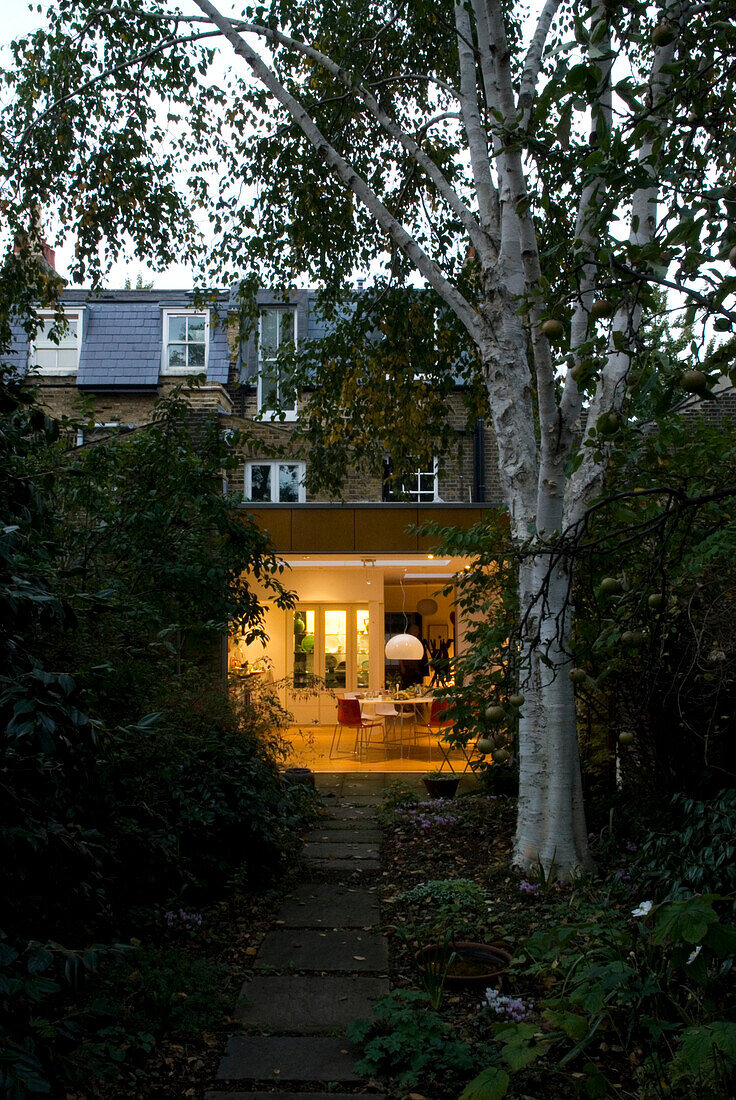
[[359, 573]]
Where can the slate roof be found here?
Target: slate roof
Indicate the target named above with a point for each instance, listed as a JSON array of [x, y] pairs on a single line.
[[123, 335]]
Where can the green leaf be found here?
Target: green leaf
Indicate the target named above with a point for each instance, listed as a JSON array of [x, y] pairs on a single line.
[[491, 1084], [687, 920]]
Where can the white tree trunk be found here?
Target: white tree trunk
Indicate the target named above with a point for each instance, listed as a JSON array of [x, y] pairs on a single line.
[[550, 825]]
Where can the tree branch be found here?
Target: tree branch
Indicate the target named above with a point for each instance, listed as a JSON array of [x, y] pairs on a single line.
[[348, 176], [477, 138]]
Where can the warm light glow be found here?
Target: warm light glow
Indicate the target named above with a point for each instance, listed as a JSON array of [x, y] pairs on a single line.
[[427, 606], [404, 647]]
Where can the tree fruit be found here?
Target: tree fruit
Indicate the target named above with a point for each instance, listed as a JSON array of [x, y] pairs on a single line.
[[663, 34], [694, 381], [602, 307], [484, 745], [500, 756], [516, 700], [553, 329], [610, 423], [626, 738], [495, 714], [610, 586], [577, 675], [655, 600], [638, 637], [628, 637]]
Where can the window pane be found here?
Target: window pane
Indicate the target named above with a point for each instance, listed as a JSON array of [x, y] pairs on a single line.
[[269, 387], [196, 330], [286, 327], [288, 484], [362, 623], [269, 333], [66, 358], [196, 355], [45, 357], [260, 482], [177, 329], [335, 648], [303, 647], [177, 355]]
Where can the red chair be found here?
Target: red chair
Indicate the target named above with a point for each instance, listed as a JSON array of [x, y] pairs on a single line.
[[439, 723], [349, 717]]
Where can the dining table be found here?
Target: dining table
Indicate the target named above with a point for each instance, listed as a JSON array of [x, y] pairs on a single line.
[[408, 707]]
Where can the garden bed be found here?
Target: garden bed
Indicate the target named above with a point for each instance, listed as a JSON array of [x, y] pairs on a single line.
[[608, 994]]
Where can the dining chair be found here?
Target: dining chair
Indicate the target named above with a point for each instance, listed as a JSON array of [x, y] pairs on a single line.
[[349, 717], [437, 726]]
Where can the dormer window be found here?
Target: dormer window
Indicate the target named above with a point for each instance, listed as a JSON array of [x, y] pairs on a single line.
[[186, 341], [276, 394], [55, 349]]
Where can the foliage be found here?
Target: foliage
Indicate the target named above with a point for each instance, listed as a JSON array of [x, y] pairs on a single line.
[[455, 907], [66, 1015], [410, 1041], [657, 654], [398, 793], [649, 985], [128, 780], [694, 854]]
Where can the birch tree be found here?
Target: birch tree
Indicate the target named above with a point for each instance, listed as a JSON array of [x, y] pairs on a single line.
[[539, 175]]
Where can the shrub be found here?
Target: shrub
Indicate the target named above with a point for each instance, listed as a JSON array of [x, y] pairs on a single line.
[[697, 853]]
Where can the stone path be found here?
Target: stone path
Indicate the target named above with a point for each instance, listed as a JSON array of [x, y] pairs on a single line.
[[321, 966]]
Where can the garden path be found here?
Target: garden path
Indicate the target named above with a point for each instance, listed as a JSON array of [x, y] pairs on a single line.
[[321, 966]]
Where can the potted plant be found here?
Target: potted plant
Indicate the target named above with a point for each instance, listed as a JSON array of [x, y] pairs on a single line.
[[441, 784]]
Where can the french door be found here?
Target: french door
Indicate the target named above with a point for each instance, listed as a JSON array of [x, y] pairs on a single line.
[[331, 642]]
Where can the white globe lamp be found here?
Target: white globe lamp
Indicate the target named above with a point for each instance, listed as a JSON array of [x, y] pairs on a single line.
[[404, 647]]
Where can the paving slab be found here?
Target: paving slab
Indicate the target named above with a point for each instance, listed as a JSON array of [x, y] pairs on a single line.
[[353, 813], [317, 905], [327, 850], [349, 866], [286, 1058], [292, 1095], [343, 836], [309, 949], [364, 824], [307, 1004]]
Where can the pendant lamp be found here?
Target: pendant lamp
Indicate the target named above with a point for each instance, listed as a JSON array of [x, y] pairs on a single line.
[[404, 647], [427, 606]]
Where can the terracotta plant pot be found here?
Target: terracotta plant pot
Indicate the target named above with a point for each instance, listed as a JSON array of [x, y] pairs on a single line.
[[441, 787], [475, 964]]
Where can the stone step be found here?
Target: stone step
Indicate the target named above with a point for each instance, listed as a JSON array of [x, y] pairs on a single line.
[[320, 835], [307, 1004], [286, 1058], [317, 905], [324, 849], [309, 949], [341, 812], [292, 1095], [353, 867], [357, 826]]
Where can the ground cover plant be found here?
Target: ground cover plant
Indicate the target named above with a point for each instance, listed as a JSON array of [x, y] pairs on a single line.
[[621, 983]]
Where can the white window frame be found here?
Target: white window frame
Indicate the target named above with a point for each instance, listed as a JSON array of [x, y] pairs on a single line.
[[290, 413], [44, 315], [274, 464], [184, 311], [415, 495]]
